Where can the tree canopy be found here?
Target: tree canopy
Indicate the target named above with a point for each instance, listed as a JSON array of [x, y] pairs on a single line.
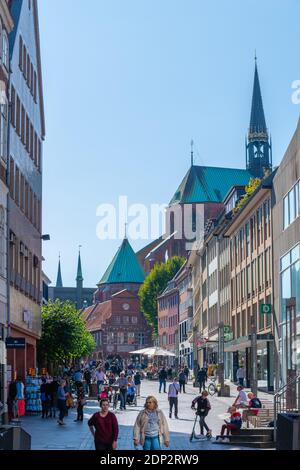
[[64, 335], [154, 285]]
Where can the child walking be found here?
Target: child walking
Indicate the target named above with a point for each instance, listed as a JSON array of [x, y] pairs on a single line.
[[81, 401]]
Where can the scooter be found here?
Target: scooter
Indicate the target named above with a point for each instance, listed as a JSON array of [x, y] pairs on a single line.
[[194, 435]]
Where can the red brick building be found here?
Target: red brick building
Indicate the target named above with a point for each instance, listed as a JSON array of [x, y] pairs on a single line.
[[115, 319]]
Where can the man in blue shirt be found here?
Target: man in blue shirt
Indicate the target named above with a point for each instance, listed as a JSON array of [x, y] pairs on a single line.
[[173, 397]]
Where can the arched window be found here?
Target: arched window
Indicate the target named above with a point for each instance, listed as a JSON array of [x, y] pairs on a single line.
[[5, 50], [2, 241]]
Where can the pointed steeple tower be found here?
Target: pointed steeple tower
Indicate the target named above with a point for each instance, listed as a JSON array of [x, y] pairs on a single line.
[[258, 147], [79, 269], [59, 282], [79, 282]]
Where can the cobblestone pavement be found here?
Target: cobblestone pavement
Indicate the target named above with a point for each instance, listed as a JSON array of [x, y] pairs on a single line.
[[48, 435]]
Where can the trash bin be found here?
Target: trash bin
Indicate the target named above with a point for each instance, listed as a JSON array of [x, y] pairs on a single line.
[[288, 431], [14, 438], [93, 391]]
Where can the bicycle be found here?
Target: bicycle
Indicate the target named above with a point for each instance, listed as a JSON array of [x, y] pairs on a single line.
[[212, 387]]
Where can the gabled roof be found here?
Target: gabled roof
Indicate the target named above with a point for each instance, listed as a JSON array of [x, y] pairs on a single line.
[[101, 313], [124, 268], [208, 184]]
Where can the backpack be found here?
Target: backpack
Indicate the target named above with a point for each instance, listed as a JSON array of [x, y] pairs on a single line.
[[256, 403], [236, 421]]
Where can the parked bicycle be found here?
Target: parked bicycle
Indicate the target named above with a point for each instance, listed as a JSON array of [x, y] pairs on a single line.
[[213, 388]]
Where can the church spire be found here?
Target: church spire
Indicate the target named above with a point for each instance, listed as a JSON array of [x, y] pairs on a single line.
[[258, 148], [59, 278], [79, 269]]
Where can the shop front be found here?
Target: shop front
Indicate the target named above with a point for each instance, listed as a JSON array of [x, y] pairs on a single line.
[[240, 350]]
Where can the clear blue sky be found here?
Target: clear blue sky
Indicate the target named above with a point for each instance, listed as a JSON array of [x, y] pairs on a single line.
[[127, 84]]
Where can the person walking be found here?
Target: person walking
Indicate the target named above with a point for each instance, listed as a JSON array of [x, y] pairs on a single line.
[[12, 401], [100, 377], [61, 402], [182, 380], [104, 428], [53, 387], [173, 397], [87, 380], [186, 370], [162, 377], [81, 401], [137, 382], [122, 383], [20, 397], [203, 408], [240, 375], [151, 428], [201, 379], [45, 399]]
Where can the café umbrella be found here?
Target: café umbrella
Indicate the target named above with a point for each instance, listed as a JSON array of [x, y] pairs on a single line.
[[154, 351]]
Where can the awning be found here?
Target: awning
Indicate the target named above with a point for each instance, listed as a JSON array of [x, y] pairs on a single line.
[[240, 344]]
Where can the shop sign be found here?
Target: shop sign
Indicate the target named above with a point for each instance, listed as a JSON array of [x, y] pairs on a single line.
[[228, 333], [15, 343], [265, 309]]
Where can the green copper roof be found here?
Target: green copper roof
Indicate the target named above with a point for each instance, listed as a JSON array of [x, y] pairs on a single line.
[[124, 267], [59, 278], [79, 270], [208, 184]]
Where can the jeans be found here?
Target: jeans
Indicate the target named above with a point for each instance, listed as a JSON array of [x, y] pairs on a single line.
[[151, 443], [102, 446], [62, 409], [79, 413], [174, 402], [162, 383], [201, 385], [99, 385], [182, 385], [203, 424], [123, 397], [241, 382]]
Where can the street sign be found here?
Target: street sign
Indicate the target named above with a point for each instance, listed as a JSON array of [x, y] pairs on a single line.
[[228, 334], [265, 309], [15, 343]]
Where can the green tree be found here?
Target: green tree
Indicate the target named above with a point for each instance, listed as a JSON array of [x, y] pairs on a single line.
[[64, 334], [154, 284]]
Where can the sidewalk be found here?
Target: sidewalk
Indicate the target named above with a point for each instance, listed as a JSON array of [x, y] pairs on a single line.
[[48, 435]]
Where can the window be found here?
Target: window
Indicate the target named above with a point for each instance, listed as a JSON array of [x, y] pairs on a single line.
[[110, 337], [3, 129], [24, 61], [2, 241], [141, 339], [134, 320], [130, 336], [248, 240], [120, 337], [35, 87], [291, 205], [28, 70], [125, 319], [5, 50], [13, 106], [27, 133], [23, 123], [18, 117], [12, 177], [17, 186], [21, 53]]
